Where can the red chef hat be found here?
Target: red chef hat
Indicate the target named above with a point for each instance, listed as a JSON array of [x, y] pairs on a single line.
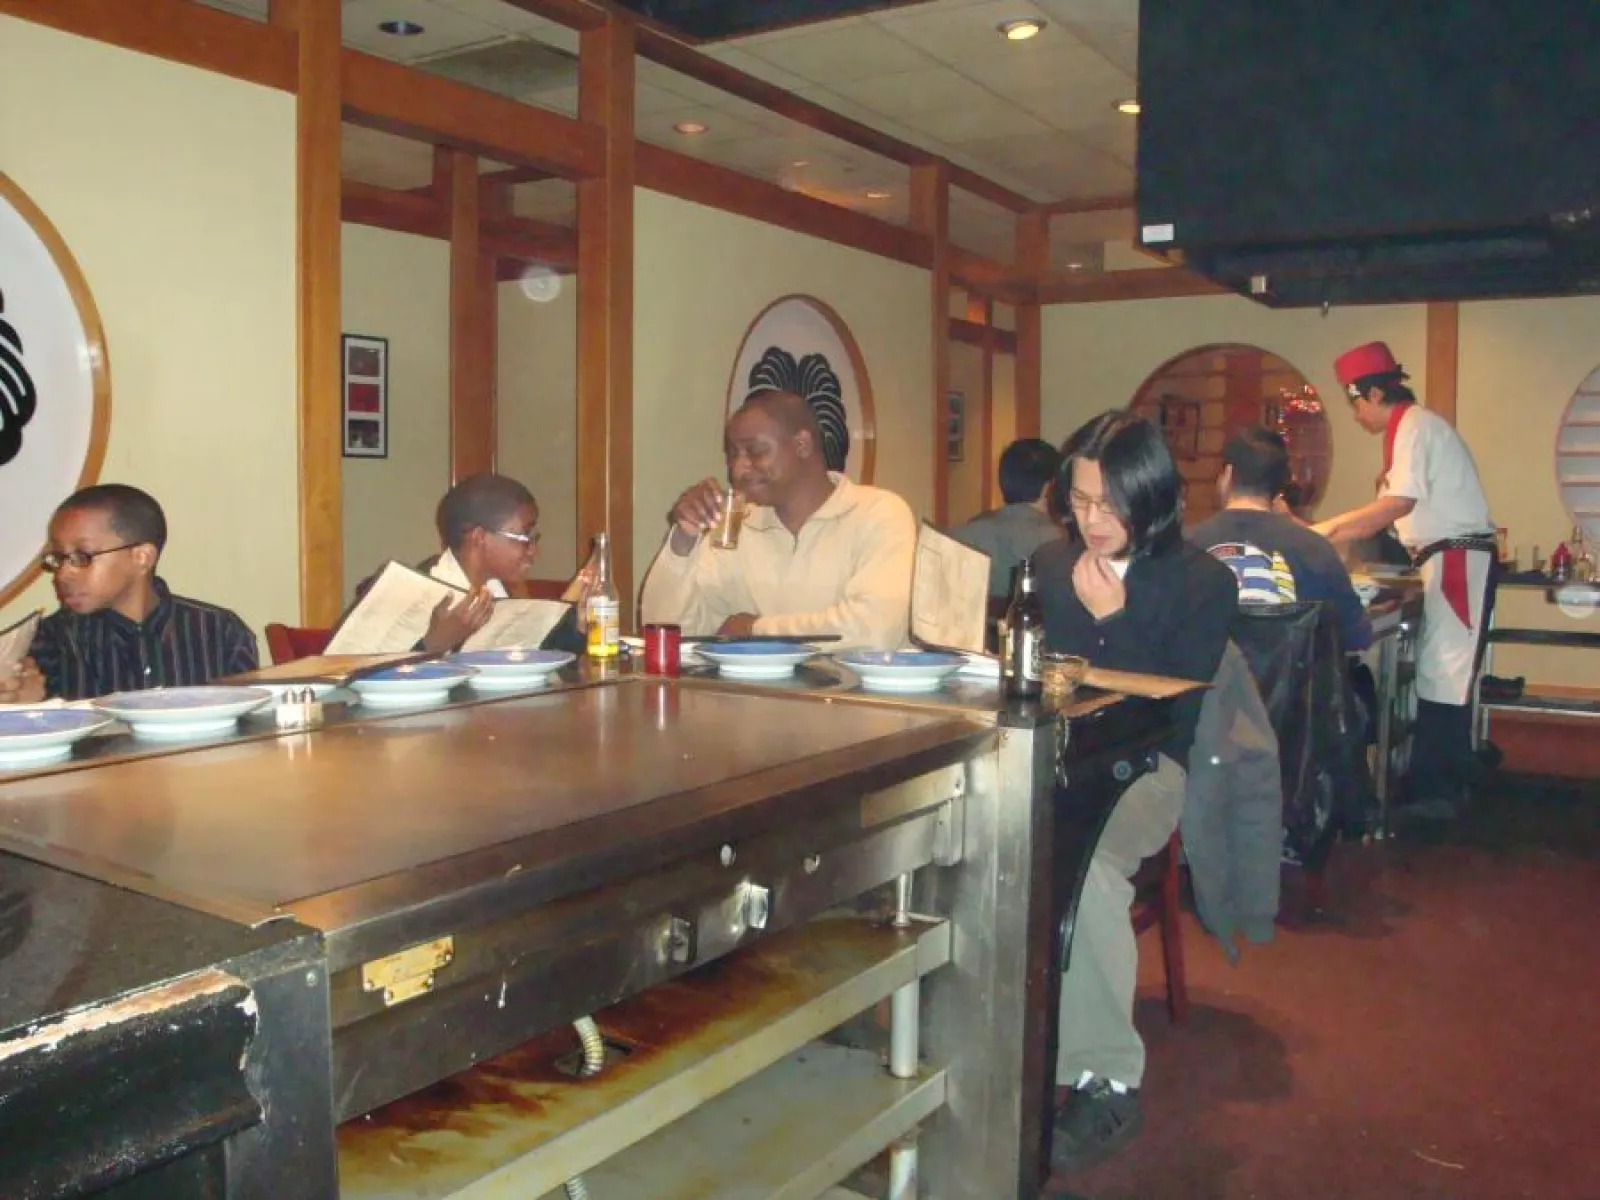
[[1372, 359]]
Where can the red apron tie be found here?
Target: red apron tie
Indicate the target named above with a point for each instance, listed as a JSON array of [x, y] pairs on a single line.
[[1453, 583]]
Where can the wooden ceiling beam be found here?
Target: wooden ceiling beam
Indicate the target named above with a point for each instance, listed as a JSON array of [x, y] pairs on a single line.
[[718, 187], [430, 108], [983, 335], [511, 176], [176, 30], [987, 278], [1143, 283], [405, 212], [1093, 205], [987, 189]]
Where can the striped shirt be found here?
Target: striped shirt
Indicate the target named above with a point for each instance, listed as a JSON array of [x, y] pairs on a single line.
[[182, 643]]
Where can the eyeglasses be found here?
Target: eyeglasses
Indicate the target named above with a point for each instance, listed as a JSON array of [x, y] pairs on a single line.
[[78, 559], [527, 539], [1087, 505]]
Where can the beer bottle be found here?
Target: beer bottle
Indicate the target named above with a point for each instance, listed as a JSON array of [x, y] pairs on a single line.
[[602, 605], [1024, 637]]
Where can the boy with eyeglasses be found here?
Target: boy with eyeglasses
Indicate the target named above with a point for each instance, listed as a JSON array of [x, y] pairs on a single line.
[[119, 627]]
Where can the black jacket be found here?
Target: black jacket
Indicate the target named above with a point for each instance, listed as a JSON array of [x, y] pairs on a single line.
[[1180, 606]]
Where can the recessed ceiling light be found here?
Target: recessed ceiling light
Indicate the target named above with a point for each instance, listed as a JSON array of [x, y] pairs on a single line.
[[801, 162], [1074, 266], [690, 127], [1128, 108], [1021, 31], [877, 194], [400, 28]]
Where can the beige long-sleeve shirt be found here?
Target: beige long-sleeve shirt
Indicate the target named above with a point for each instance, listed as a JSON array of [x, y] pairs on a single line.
[[848, 572]]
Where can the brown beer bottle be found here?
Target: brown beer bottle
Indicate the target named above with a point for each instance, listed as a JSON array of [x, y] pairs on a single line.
[[1024, 637]]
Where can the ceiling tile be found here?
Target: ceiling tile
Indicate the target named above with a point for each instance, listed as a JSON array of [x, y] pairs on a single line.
[[547, 200], [750, 64], [1116, 225], [952, 35], [667, 80], [720, 127], [515, 20], [1110, 12], [384, 160], [1067, 66], [839, 52], [443, 30]]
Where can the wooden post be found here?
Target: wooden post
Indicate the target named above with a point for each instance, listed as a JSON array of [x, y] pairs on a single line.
[[605, 301], [1444, 361], [1033, 253], [930, 216], [471, 363], [991, 478], [319, 299]]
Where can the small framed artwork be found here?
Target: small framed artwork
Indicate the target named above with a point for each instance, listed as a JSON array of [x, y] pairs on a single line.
[[365, 416], [1180, 424], [956, 427]]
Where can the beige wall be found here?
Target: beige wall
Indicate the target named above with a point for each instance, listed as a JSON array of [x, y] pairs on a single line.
[[538, 415], [397, 286], [700, 277], [174, 189], [1519, 364]]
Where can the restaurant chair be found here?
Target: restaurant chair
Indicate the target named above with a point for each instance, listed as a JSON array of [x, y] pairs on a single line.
[[285, 643], [1158, 891]]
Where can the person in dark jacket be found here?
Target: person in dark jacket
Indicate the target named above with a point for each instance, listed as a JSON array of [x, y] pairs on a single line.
[[1130, 594]]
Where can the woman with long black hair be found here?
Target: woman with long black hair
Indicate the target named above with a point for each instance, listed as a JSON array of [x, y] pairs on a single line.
[[1129, 594]]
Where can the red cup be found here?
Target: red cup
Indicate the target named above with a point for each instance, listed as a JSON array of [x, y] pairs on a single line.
[[662, 648]]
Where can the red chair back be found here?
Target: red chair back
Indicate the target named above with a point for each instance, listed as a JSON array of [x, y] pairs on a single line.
[[288, 642]]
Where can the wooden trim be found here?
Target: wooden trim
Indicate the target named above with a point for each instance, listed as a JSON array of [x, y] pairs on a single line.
[[526, 241], [1097, 204], [1032, 253], [987, 189], [284, 14], [605, 302], [991, 482], [509, 176], [718, 187], [574, 14], [989, 279], [1143, 283], [1029, 370], [320, 320], [509, 269], [930, 216], [977, 333], [1444, 358], [430, 108], [176, 30], [471, 374], [404, 212], [95, 341]]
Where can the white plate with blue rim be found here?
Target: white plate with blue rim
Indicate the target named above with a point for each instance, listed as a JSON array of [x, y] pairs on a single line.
[[904, 671], [755, 660], [31, 736], [510, 670], [183, 712], [410, 686]]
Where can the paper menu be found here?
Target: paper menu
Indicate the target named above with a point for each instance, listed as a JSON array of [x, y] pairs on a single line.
[[392, 618], [949, 593], [16, 641]]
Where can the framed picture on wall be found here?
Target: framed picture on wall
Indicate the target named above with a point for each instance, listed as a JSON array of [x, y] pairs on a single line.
[[956, 427], [365, 411]]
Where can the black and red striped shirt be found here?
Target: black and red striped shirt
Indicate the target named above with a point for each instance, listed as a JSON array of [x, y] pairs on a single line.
[[182, 643]]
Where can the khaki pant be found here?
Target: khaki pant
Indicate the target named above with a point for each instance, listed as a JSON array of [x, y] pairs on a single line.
[[1096, 1019]]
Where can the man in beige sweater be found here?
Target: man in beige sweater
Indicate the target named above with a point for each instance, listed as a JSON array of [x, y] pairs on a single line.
[[818, 554]]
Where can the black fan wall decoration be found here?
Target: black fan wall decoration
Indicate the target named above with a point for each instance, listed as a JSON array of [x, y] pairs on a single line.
[[18, 397]]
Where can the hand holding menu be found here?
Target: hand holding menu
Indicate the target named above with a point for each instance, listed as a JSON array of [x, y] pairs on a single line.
[[949, 593], [393, 616], [18, 640]]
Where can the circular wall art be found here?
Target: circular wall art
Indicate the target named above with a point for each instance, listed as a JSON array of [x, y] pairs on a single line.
[[798, 344], [55, 383]]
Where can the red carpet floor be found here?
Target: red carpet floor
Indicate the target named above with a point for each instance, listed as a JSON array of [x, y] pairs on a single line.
[[1436, 1035]]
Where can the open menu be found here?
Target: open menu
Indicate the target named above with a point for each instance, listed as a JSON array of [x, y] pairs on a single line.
[[949, 593], [16, 641], [392, 618]]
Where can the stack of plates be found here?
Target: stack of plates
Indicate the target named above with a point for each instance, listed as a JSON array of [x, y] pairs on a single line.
[[183, 712], [511, 670], [903, 671], [755, 660], [411, 686], [30, 736]]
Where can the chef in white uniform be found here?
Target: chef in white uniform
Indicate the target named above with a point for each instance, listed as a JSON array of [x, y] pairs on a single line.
[[1431, 494]]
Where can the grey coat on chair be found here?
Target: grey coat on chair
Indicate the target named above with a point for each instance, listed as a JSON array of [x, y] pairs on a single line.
[[1232, 822]]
